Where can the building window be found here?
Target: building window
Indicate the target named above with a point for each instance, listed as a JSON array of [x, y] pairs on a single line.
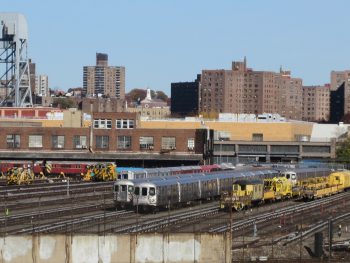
[[102, 142], [124, 142], [35, 141], [102, 124], [13, 141], [146, 143], [124, 124], [257, 137], [58, 141], [79, 142], [190, 144], [168, 143]]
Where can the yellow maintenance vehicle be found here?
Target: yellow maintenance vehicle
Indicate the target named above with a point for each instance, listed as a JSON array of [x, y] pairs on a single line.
[[19, 175], [101, 172], [277, 188], [250, 192]]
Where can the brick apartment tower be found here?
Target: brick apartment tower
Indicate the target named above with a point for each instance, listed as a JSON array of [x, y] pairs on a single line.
[[104, 79], [316, 103], [338, 78], [242, 90]]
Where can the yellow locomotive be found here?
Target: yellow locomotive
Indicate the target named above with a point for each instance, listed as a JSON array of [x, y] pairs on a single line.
[[247, 193]]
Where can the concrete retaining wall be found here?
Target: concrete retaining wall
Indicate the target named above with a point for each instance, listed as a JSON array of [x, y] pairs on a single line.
[[116, 248]]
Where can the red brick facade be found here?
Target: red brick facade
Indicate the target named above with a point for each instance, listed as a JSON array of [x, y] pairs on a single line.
[[181, 139]]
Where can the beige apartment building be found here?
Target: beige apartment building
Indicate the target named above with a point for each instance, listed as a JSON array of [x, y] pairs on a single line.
[[316, 103], [103, 79], [242, 90]]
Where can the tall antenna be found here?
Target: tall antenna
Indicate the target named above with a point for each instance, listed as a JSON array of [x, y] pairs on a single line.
[[15, 86]]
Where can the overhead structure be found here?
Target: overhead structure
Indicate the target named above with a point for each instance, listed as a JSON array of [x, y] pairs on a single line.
[[15, 86]]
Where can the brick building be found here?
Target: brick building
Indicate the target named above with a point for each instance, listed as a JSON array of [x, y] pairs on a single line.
[[316, 103], [89, 105], [108, 133], [242, 90], [341, 80], [103, 79]]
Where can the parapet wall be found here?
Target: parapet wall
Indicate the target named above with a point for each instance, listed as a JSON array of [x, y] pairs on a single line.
[[116, 248]]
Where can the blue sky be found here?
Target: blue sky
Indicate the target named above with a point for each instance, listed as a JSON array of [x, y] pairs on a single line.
[[164, 41]]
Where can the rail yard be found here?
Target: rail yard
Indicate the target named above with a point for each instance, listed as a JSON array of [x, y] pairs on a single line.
[[281, 229]]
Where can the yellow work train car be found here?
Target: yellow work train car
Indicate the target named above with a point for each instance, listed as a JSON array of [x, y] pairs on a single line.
[[282, 187], [325, 186], [245, 193], [341, 178], [277, 188]]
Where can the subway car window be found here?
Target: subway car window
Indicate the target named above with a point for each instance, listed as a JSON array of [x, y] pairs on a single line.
[[144, 191], [152, 191], [130, 189], [123, 188]]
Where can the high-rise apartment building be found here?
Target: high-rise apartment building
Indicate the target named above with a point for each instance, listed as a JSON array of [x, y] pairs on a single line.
[[184, 98], [337, 104], [242, 90], [42, 85], [103, 79], [337, 79], [316, 103]]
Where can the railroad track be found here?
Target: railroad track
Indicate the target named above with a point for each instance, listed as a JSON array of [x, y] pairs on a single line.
[[162, 222], [41, 194], [247, 222], [71, 225], [309, 231], [54, 200], [54, 212], [10, 191]]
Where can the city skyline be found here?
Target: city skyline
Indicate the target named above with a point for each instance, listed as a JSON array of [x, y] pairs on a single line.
[[160, 43]]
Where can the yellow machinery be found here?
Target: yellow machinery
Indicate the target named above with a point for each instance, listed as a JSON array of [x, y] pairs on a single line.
[[101, 172], [277, 188], [342, 179], [19, 175], [245, 193], [282, 187], [325, 186]]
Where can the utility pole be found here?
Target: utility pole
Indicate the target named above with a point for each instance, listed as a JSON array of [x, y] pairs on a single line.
[[330, 237]]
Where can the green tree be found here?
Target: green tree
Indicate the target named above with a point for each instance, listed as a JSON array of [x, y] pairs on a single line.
[[343, 152], [135, 94], [63, 103], [161, 95]]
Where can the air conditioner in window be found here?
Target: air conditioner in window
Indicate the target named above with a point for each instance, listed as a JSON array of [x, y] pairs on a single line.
[[84, 147], [151, 147], [190, 148], [172, 148], [78, 146]]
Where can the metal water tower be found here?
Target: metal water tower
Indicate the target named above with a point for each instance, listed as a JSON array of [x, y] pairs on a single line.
[[15, 86]]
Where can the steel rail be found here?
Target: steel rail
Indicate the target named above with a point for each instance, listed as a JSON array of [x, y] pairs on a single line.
[[53, 227], [164, 221], [44, 214]]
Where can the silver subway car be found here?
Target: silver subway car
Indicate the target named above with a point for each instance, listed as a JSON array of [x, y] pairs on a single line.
[[124, 189], [151, 196]]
